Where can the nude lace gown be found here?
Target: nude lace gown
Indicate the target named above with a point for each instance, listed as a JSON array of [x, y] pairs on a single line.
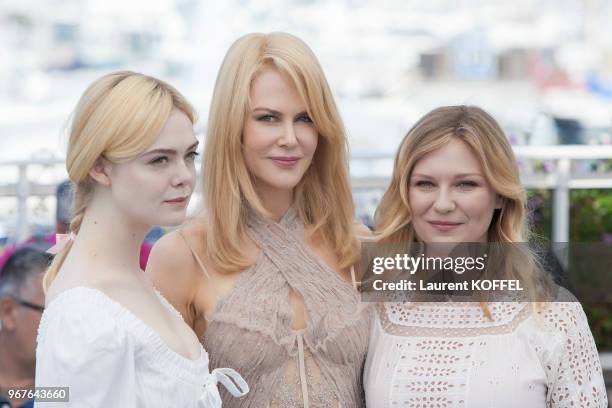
[[250, 327]]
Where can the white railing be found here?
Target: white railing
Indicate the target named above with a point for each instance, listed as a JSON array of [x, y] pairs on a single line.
[[25, 188], [561, 180]]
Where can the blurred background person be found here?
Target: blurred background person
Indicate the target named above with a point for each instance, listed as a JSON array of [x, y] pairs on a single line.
[[64, 195], [21, 305]]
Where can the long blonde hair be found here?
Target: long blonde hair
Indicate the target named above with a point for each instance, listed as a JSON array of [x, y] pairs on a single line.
[[118, 117], [481, 132], [322, 198]]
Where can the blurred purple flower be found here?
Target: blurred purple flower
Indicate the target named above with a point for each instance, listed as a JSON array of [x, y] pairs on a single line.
[[535, 202], [548, 167], [513, 138]]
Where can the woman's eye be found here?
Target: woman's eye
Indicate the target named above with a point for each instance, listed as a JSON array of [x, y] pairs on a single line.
[[192, 155], [266, 118], [304, 118], [159, 160], [468, 184], [424, 184]]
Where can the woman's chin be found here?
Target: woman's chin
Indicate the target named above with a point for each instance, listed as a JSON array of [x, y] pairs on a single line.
[[287, 184], [172, 220], [444, 239]]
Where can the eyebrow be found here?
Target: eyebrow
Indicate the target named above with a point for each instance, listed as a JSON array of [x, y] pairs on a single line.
[[456, 176], [169, 151], [267, 110], [275, 112]]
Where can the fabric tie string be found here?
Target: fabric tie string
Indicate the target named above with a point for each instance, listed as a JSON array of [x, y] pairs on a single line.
[[232, 381]]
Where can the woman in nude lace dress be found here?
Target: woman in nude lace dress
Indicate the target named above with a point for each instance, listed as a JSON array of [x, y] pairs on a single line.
[[456, 180], [265, 276]]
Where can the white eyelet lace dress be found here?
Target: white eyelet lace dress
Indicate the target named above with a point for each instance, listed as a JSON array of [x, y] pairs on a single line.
[[452, 355]]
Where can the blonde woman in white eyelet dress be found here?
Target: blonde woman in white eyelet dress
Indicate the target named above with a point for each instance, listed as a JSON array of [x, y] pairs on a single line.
[[463, 186], [107, 335]]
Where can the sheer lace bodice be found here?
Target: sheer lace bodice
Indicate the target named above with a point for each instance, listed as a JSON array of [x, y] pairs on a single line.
[[250, 328]]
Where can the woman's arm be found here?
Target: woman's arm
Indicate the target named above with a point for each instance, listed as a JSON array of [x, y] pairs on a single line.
[[575, 375]]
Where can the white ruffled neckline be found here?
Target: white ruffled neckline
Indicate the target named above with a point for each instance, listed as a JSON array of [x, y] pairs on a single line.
[[199, 366]]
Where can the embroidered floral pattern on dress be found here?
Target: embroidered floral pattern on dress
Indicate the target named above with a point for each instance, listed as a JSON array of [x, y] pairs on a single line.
[[452, 355], [576, 365], [450, 319]]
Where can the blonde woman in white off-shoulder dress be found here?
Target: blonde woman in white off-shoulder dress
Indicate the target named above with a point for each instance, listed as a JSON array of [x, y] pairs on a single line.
[[463, 186], [107, 334]]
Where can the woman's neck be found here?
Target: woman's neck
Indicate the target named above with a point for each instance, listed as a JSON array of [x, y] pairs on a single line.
[[109, 238], [276, 201]]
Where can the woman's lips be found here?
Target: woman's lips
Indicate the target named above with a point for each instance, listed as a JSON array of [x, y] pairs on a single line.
[[180, 201], [444, 226], [285, 162]]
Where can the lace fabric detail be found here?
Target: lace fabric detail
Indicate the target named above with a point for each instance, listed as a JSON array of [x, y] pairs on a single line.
[[431, 373], [465, 319], [289, 394], [452, 355], [574, 369], [250, 328]]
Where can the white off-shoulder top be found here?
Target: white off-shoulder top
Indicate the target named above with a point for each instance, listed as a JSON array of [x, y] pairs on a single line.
[[110, 358]]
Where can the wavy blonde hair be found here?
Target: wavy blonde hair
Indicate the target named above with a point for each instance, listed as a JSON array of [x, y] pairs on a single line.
[[322, 198], [118, 117], [481, 132]]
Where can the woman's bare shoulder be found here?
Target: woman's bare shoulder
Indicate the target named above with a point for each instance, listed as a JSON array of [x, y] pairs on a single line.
[[195, 231], [172, 256]]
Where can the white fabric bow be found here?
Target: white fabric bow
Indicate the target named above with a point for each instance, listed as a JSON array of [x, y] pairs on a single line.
[[232, 381], [61, 240]]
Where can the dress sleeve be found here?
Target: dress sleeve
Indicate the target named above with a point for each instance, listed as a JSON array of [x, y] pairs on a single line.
[[84, 349], [574, 371]]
